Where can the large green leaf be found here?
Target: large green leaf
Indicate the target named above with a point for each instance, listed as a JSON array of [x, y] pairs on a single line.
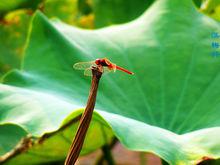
[[169, 107], [117, 11]]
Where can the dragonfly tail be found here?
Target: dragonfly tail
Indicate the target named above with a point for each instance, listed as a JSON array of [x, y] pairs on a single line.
[[124, 70]]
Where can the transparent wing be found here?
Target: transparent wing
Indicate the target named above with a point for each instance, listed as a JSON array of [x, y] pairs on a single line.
[[107, 70], [88, 72], [83, 65]]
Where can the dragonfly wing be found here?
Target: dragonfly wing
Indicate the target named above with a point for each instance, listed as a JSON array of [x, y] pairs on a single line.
[[88, 72], [83, 65], [107, 70]]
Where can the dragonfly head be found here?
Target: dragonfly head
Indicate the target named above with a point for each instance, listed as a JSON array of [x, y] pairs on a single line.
[[98, 61], [103, 62]]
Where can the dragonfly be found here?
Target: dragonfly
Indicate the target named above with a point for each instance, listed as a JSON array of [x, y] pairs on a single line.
[[105, 63]]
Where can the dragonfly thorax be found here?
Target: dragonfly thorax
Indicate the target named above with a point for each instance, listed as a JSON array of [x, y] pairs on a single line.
[[102, 62]]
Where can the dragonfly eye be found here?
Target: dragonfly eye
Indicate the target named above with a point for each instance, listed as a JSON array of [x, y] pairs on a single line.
[[97, 61]]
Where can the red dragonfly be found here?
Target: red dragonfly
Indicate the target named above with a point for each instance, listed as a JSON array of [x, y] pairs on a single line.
[[107, 65]]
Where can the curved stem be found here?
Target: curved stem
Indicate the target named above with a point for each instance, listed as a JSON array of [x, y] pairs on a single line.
[[78, 141]]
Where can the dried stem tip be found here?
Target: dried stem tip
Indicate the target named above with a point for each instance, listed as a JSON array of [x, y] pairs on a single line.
[[77, 143]]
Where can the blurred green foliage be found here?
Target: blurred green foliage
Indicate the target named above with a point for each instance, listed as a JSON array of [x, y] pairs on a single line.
[[7, 6], [13, 32], [211, 8]]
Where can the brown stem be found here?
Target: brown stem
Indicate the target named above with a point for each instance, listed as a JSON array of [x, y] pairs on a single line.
[[77, 143]]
